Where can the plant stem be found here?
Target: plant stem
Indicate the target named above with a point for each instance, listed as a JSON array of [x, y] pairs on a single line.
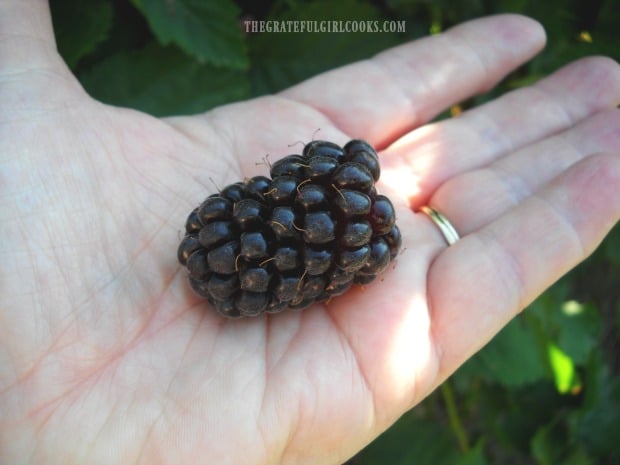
[[455, 420]]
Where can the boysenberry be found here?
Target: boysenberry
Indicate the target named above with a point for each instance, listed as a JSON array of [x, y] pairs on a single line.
[[305, 235]]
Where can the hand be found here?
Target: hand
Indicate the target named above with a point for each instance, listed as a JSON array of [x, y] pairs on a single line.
[[107, 356]]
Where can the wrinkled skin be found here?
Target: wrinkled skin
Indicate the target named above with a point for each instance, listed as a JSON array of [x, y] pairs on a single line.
[[108, 358]]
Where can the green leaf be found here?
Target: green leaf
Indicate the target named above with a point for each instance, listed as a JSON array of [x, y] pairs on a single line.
[[579, 328], [80, 26], [474, 456], [208, 30], [512, 358], [573, 326], [411, 440], [599, 428], [163, 81], [566, 378], [285, 58], [552, 445], [611, 246]]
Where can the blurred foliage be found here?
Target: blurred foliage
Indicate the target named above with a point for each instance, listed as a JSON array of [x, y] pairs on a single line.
[[546, 390]]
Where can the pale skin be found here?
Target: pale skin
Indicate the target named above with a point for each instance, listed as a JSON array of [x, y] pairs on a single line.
[[108, 358]]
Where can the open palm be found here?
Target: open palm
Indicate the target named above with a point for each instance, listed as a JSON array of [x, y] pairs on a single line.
[[107, 356]]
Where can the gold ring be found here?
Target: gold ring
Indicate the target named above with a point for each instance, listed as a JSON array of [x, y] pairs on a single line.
[[448, 231]]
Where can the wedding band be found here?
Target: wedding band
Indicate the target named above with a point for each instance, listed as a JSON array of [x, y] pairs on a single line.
[[448, 231]]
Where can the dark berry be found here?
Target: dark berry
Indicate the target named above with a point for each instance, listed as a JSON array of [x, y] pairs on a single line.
[[362, 152], [223, 259], [350, 203], [312, 197], [394, 241], [319, 228], [357, 145], [197, 265], [193, 224], [216, 233], [222, 286], [291, 165], [355, 233], [370, 162], [234, 192], [353, 176], [215, 208], [313, 286], [286, 286], [200, 287], [257, 186], [317, 261], [276, 306], [338, 276], [227, 308], [188, 245], [283, 190], [253, 245], [248, 213], [300, 303], [323, 148], [251, 303], [282, 223], [255, 279], [335, 289], [364, 279], [382, 215], [320, 169], [379, 257], [286, 258], [353, 260]]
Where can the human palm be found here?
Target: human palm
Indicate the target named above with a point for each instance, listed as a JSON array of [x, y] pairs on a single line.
[[109, 358]]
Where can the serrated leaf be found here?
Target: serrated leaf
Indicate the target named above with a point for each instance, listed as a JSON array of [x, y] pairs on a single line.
[[79, 26], [163, 81], [283, 59], [207, 30]]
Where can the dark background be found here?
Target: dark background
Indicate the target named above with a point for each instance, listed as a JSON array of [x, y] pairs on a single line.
[[546, 390]]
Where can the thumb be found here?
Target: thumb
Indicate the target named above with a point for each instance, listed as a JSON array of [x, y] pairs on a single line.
[[31, 70]]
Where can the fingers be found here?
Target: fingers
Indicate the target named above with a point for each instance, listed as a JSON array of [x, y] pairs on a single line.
[[26, 36], [382, 98], [423, 160], [480, 283], [476, 198]]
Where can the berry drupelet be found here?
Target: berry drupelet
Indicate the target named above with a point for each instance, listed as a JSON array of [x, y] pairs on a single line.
[[308, 233]]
